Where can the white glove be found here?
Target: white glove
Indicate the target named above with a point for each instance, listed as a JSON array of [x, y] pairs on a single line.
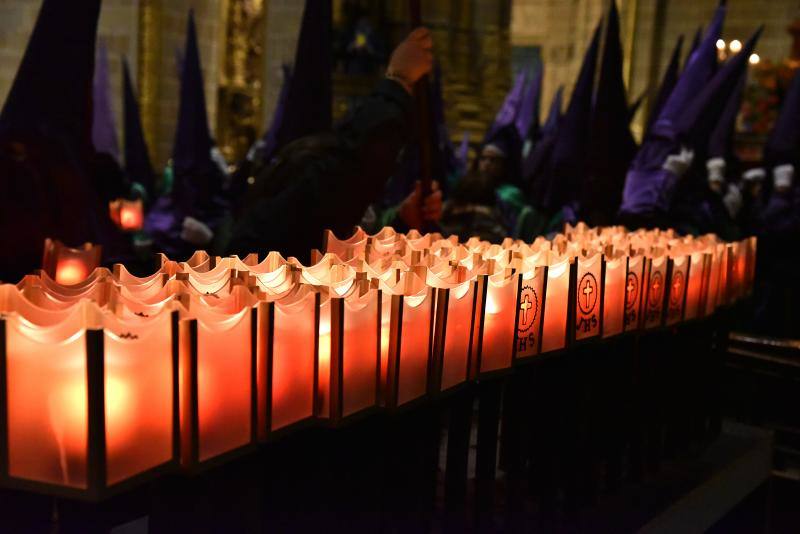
[[782, 177], [733, 200], [196, 232], [678, 164], [219, 159], [716, 174], [754, 175]]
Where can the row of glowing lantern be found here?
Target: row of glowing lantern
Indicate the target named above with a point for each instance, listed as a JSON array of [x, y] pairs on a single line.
[[114, 378]]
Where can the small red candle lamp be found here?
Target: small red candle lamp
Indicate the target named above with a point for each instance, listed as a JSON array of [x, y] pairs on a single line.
[[532, 297], [349, 353], [655, 290], [90, 404], [699, 265], [556, 305], [217, 384], [128, 215], [615, 279], [495, 321], [678, 275], [70, 266], [634, 295], [288, 334], [455, 297], [587, 301], [411, 313]]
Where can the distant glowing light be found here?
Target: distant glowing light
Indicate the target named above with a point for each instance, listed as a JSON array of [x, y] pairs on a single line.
[[735, 46], [721, 44], [755, 59]]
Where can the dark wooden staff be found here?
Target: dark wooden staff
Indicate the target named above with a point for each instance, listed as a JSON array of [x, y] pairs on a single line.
[[423, 113]]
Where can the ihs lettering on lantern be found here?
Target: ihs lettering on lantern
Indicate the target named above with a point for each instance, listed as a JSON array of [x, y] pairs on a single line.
[[527, 332], [587, 322]]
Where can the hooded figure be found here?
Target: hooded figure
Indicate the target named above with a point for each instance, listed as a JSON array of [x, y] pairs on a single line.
[[304, 102], [507, 114], [611, 145], [536, 162], [722, 162], [782, 156], [664, 157], [138, 167], [698, 209], [667, 83], [188, 216], [778, 223], [568, 165], [527, 121], [46, 152]]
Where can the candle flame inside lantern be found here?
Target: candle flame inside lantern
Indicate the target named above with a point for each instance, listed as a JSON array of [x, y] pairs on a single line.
[[70, 272], [69, 416], [129, 218], [492, 308]]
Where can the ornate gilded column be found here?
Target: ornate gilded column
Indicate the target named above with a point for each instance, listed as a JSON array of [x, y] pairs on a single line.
[[149, 58], [239, 101]]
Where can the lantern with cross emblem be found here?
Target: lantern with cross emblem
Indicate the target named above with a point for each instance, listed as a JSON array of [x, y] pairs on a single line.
[[587, 304], [655, 290], [529, 317], [633, 292]]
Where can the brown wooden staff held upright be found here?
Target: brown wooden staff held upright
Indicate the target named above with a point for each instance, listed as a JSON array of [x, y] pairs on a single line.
[[423, 114]]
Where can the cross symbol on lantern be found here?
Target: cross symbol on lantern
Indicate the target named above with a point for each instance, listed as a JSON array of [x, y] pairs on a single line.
[[525, 306], [587, 291], [630, 287], [656, 285]]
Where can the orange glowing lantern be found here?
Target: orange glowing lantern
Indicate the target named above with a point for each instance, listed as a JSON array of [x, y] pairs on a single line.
[[217, 384], [698, 273], [128, 215], [750, 276], [678, 271], [556, 306], [615, 279], [711, 291], [587, 287], [349, 353], [495, 322], [287, 360], [455, 298], [69, 266], [90, 403], [530, 306], [633, 292], [655, 290], [410, 332]]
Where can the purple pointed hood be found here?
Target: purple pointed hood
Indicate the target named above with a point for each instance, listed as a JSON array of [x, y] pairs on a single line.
[[698, 71], [507, 113], [783, 144], [308, 105], [570, 152], [46, 152], [720, 145], [697, 121], [462, 155], [648, 187], [698, 36], [138, 166], [198, 179], [611, 146], [104, 130], [667, 82], [553, 119], [52, 89], [527, 121], [197, 186], [536, 162]]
